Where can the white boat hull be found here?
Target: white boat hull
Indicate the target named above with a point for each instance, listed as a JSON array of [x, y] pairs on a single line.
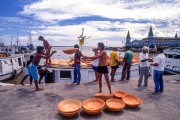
[[87, 74], [11, 66]]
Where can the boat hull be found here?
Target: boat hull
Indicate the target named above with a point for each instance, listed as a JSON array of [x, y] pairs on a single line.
[[66, 74]]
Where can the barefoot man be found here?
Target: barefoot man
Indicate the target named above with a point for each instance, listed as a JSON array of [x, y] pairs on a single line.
[[47, 47], [102, 66], [33, 71]]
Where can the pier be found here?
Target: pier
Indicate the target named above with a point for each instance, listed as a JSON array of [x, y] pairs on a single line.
[[23, 103]]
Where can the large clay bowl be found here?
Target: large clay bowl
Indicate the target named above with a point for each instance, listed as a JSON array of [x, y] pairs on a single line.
[[119, 94], [103, 96], [69, 105], [69, 114], [93, 104], [115, 104], [92, 112], [131, 100], [70, 51]]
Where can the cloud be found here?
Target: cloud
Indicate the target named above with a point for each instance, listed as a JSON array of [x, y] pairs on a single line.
[[59, 10], [61, 21]]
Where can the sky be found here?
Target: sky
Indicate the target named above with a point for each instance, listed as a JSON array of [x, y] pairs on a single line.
[[107, 21]]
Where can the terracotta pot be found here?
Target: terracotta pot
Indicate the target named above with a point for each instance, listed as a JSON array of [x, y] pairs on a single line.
[[131, 100], [119, 94], [114, 104]]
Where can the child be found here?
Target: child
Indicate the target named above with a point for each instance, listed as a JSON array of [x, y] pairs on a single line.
[[35, 62], [47, 47], [42, 73], [27, 74]]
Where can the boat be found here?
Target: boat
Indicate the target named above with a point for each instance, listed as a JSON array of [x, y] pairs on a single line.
[[172, 64], [10, 66], [66, 74]]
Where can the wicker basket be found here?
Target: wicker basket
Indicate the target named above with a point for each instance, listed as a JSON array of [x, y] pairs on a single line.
[[131, 100], [70, 51], [114, 104], [119, 94], [69, 105], [93, 104], [103, 96]]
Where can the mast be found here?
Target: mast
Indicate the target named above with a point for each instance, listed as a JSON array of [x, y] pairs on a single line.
[[30, 43], [17, 42]]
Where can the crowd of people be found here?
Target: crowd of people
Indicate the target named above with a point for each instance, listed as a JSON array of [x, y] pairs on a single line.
[[100, 66]]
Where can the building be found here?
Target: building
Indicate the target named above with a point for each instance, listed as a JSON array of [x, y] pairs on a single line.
[[152, 41]]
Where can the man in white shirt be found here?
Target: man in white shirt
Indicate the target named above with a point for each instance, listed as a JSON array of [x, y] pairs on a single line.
[[158, 69], [95, 64], [144, 67]]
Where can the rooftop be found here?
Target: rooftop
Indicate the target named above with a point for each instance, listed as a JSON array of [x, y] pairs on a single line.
[[23, 103]]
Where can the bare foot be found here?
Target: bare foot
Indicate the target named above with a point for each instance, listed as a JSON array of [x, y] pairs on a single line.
[[100, 92], [21, 83], [39, 89]]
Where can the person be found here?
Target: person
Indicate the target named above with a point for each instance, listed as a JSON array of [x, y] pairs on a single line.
[[47, 47], [127, 61], [102, 66], [35, 62], [144, 66], [158, 69], [95, 64], [42, 73], [77, 72], [114, 63], [27, 71]]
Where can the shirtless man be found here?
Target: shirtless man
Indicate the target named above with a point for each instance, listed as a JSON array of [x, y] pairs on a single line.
[[47, 47], [33, 71], [102, 66]]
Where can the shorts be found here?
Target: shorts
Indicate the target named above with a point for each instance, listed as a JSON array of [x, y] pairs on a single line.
[[95, 68], [114, 67], [48, 51], [33, 71], [102, 69]]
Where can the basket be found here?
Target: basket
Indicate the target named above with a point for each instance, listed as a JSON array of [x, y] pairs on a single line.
[[131, 100], [103, 96], [70, 51], [119, 94], [93, 104], [69, 105], [115, 104]]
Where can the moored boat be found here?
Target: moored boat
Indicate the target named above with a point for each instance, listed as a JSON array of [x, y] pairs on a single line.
[[10, 65], [172, 65]]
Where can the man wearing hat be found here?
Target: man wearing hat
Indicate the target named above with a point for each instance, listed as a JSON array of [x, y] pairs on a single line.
[[144, 66]]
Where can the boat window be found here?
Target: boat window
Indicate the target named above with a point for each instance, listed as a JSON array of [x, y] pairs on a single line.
[[176, 56], [165, 55], [19, 61], [65, 74], [170, 56]]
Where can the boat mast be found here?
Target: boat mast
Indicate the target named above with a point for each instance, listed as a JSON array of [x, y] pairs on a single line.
[[30, 43]]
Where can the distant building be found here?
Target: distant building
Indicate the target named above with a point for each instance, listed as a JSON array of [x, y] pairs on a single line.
[[152, 41]]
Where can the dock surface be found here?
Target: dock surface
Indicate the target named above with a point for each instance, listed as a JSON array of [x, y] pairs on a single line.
[[23, 103]]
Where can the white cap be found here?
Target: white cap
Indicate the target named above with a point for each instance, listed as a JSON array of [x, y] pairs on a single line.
[[145, 48]]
